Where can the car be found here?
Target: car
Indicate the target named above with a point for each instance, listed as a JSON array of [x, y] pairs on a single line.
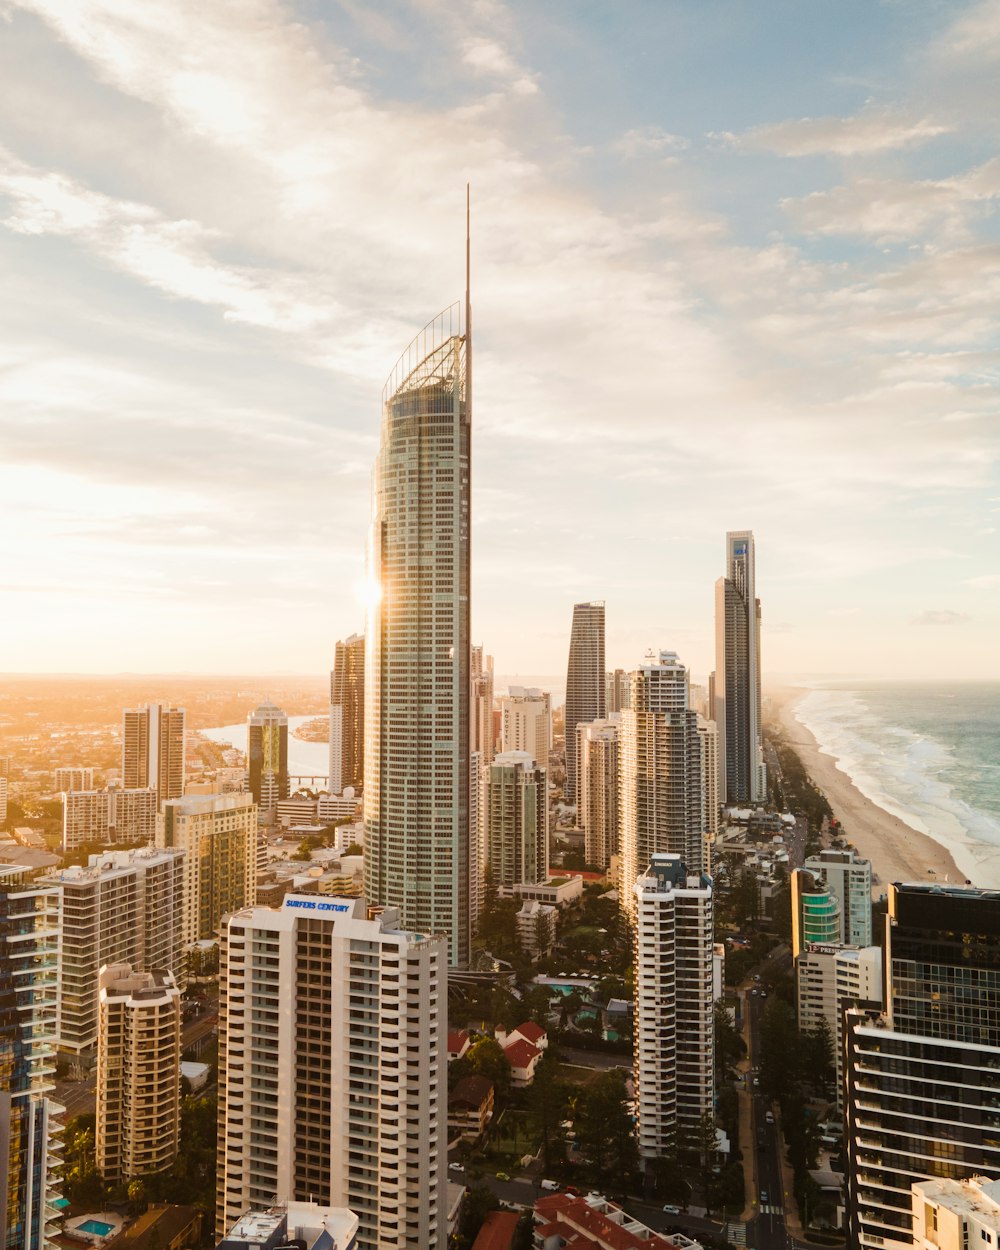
[[769, 1117], [756, 1082], [669, 1209], [763, 1195], [572, 1189], [763, 993], [550, 1184], [502, 1176], [754, 993], [756, 976], [456, 1167]]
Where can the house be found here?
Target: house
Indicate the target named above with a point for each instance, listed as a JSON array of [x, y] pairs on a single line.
[[470, 1105], [458, 1043], [527, 1032], [523, 1058], [564, 1222], [497, 1232]]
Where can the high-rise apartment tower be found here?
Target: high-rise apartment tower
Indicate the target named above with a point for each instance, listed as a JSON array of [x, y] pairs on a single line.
[[586, 691], [418, 855], [735, 690], [347, 714], [332, 1058], [153, 750], [267, 757], [598, 747], [515, 814]]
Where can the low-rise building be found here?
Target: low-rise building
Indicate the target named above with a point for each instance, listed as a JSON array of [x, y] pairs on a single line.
[[593, 1223], [162, 1227], [470, 1105], [536, 928], [956, 1214], [306, 1224]]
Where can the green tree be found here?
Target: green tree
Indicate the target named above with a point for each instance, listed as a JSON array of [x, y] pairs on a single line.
[[486, 1058], [479, 1201], [604, 1128]]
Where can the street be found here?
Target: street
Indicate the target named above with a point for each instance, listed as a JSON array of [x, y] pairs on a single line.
[[766, 1230]]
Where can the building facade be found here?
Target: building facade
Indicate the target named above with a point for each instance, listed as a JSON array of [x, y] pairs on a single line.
[[735, 704], [267, 757], [526, 722], [332, 1068], [662, 799], [848, 877], [417, 663], [516, 812], [30, 1119], [922, 1077], [153, 745], [124, 907], [106, 817], [347, 714], [73, 779], [597, 806], [218, 833], [138, 1072], [674, 1060], [586, 692], [815, 912]]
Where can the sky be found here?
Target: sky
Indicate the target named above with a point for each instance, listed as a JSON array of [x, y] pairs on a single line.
[[736, 265]]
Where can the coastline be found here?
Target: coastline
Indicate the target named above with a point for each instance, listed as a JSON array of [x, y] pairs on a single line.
[[897, 851]]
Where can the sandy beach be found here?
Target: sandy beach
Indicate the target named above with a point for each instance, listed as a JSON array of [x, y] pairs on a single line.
[[897, 851]]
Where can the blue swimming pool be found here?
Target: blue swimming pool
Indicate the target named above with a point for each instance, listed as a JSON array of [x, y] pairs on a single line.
[[97, 1227]]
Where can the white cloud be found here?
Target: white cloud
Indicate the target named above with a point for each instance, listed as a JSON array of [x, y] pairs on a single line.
[[650, 141], [871, 132], [940, 616], [987, 581]]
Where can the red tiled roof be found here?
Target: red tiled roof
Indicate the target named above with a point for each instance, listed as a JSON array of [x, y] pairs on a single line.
[[597, 1229], [497, 1232], [519, 1054], [471, 1091], [531, 1031], [456, 1040]]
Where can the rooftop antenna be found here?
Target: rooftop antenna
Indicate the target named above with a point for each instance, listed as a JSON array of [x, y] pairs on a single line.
[[468, 306]]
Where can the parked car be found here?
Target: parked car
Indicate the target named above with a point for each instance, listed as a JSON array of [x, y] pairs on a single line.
[[550, 1184], [672, 1210], [502, 1176]]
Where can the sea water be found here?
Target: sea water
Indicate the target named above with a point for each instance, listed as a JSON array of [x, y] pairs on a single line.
[[926, 752], [305, 759]]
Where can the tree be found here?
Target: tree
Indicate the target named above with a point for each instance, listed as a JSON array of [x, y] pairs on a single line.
[[604, 1128], [478, 1202], [486, 1058], [546, 1098], [729, 1045], [354, 849]]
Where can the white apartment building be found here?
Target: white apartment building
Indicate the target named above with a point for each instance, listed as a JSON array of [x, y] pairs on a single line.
[[138, 1072], [708, 731], [662, 797], [322, 1228], [153, 746], [516, 816], [332, 1062], [526, 722], [30, 1119], [3, 801], [849, 879], [73, 779], [674, 1021], [597, 800], [218, 832], [108, 816], [956, 1214], [124, 907], [830, 978]]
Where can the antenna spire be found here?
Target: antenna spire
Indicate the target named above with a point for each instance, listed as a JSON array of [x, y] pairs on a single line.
[[468, 303]]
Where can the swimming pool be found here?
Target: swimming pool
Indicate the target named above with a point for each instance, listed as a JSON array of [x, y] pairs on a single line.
[[97, 1227]]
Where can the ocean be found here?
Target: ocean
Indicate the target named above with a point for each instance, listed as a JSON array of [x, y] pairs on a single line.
[[305, 759], [926, 752]]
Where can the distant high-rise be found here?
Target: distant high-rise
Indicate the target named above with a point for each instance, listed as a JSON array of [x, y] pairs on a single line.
[[138, 1072], [153, 750], [662, 797], [481, 744], [735, 690], [218, 833], [332, 1082], [526, 722], [515, 814], [710, 774], [267, 757], [417, 666], [923, 1077], [30, 1124], [104, 817], [481, 705], [586, 693], [73, 779], [674, 1069], [347, 714], [598, 747], [616, 688]]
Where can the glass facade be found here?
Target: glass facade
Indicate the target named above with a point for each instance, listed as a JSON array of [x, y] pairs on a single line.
[[417, 665]]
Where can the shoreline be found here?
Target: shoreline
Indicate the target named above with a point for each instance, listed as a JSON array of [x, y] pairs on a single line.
[[897, 851]]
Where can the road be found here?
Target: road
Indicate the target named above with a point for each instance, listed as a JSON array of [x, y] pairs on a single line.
[[766, 1231]]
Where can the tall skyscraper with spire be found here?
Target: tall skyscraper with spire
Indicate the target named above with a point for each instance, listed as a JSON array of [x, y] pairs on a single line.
[[735, 689], [417, 679], [586, 691]]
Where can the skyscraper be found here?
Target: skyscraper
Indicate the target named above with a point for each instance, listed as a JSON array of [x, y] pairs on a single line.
[[849, 879], [526, 722], [515, 813], [138, 1072], [662, 797], [616, 690], [30, 1123], [267, 757], [153, 750], [586, 693], [332, 1058], [735, 689], [923, 1078], [481, 707], [417, 679], [598, 748], [480, 757], [347, 714], [674, 1020]]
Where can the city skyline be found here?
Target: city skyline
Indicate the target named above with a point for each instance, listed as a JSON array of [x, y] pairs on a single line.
[[208, 283]]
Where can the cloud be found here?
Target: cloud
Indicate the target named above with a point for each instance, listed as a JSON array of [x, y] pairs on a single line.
[[940, 616], [868, 133], [974, 36], [650, 141], [986, 581]]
